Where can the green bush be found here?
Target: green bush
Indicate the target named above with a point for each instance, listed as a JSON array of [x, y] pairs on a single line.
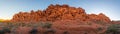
[[50, 31], [114, 29], [2, 32], [100, 28], [5, 30], [33, 31], [47, 25], [65, 32]]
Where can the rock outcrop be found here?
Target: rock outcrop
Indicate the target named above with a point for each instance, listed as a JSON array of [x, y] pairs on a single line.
[[58, 12], [64, 19]]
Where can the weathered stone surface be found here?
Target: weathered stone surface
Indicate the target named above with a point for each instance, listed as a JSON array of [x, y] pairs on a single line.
[[58, 12], [99, 17]]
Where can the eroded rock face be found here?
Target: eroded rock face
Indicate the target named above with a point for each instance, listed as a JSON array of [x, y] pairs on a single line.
[[99, 17], [58, 12], [63, 17]]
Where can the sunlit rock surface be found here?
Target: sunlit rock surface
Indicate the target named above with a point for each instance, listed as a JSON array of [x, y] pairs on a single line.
[[58, 12]]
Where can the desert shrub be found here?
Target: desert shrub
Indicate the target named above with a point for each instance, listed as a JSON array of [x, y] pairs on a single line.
[[114, 29], [49, 31], [33, 31], [19, 24], [2, 32], [29, 25], [35, 25], [65, 32], [100, 28], [5, 30], [9, 25], [13, 30], [47, 25], [22, 24], [99, 22]]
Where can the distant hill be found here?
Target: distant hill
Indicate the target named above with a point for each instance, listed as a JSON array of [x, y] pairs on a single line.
[[1, 20]]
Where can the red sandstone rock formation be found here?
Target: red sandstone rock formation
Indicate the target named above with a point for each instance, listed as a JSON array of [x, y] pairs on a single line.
[[58, 12], [63, 17]]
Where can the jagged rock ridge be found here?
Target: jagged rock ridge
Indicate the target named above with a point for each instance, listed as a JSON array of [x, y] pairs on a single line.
[[58, 12]]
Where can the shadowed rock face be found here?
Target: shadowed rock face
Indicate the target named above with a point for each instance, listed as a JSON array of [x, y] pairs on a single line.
[[58, 12]]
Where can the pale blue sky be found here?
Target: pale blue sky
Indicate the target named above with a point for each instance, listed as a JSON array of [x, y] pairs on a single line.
[[110, 8]]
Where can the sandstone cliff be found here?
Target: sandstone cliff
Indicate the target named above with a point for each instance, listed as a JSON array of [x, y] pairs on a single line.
[[58, 12]]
